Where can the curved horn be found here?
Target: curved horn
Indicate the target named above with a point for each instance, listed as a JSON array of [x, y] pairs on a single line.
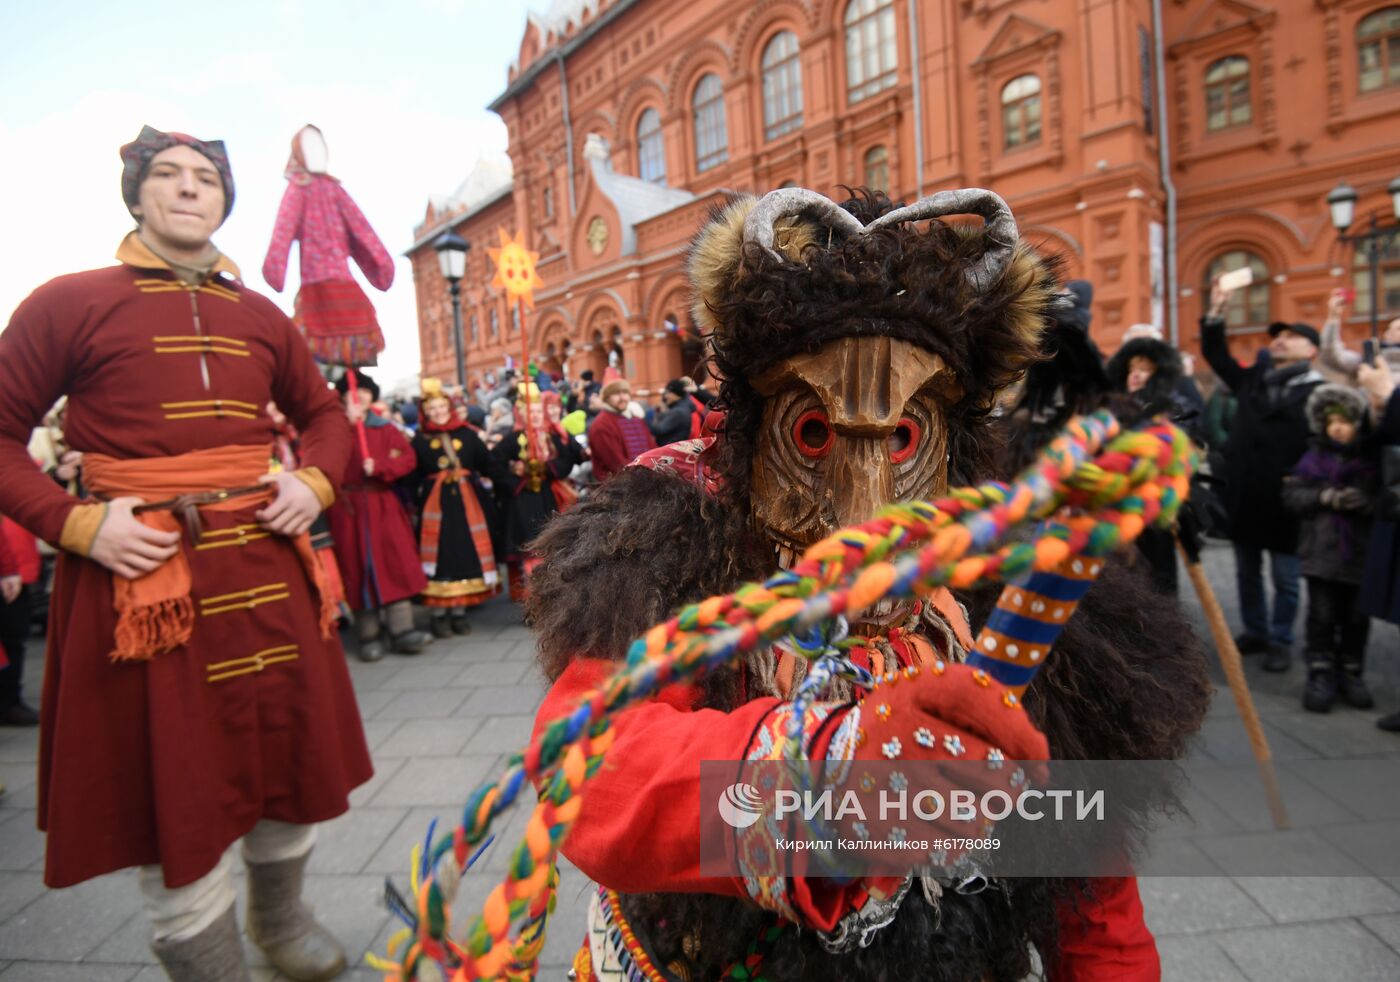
[[1000, 225], [788, 202]]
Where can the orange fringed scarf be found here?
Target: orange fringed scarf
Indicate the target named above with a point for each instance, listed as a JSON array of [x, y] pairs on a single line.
[[155, 613]]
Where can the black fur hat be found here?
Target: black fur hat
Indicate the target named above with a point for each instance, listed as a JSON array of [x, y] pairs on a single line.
[[342, 384]]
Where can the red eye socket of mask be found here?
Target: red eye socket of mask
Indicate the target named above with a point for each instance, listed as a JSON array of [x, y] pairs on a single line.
[[904, 440], [813, 434]]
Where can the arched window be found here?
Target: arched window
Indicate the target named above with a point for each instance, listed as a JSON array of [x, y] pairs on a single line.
[[651, 150], [515, 320], [473, 328], [547, 201], [711, 134], [1378, 49], [872, 54], [782, 86], [1227, 94], [877, 169], [1020, 111], [495, 324], [1389, 288], [1248, 307]]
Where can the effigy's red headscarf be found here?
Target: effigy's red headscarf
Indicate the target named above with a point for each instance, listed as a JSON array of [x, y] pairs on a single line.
[[296, 170]]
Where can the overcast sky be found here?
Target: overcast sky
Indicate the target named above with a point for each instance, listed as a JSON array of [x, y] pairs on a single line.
[[398, 89]]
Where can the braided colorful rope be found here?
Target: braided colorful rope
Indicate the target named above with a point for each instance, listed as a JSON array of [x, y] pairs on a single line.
[[1101, 485]]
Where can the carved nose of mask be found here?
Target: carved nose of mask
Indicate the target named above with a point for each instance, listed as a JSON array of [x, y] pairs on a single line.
[[862, 480]]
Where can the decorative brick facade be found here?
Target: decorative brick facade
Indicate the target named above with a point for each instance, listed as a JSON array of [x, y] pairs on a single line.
[[927, 104]]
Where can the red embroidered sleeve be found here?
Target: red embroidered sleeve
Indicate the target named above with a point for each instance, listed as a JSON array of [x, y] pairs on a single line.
[[638, 830]]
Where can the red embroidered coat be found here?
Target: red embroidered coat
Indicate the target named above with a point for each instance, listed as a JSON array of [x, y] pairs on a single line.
[[639, 827], [374, 541], [168, 761]]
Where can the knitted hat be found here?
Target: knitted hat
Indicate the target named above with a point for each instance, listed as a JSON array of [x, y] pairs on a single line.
[[1334, 399], [615, 386], [138, 154]]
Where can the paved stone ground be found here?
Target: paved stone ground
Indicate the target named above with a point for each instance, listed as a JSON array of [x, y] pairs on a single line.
[[442, 721]]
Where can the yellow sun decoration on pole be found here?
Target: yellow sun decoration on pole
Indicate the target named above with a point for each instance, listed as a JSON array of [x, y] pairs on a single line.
[[515, 268]]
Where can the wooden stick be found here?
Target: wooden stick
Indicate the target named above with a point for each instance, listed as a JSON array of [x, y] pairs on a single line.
[[1239, 687]]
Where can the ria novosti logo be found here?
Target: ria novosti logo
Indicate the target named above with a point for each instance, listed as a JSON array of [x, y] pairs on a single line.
[[741, 805]]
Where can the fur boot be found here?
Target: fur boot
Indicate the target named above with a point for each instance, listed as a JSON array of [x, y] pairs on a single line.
[[213, 955], [283, 927]]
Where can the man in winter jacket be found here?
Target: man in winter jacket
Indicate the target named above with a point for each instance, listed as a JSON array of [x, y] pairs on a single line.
[[1269, 436], [672, 422]]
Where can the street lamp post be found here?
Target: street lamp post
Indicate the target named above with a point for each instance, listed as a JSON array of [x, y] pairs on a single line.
[[1376, 238], [452, 261]]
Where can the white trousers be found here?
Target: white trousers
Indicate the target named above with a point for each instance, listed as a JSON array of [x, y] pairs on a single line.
[[182, 912]]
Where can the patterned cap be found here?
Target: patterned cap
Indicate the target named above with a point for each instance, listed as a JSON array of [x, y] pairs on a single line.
[[137, 155]]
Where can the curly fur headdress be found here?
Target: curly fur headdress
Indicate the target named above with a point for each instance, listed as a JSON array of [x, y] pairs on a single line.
[[784, 274], [776, 276]]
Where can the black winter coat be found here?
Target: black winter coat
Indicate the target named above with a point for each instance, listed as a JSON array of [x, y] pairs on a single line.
[[672, 424], [1380, 590], [1266, 441]]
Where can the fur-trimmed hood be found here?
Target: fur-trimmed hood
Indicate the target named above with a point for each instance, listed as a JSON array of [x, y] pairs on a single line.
[[1333, 394], [1167, 359]]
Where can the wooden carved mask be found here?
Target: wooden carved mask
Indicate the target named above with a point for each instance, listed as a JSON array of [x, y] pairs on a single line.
[[847, 429]]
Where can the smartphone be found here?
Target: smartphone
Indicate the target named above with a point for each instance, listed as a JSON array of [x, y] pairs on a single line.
[[1237, 280], [1368, 351], [1348, 295]]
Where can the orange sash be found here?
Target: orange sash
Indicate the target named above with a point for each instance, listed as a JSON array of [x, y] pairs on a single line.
[[155, 613]]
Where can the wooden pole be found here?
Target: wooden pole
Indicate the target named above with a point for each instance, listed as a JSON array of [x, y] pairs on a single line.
[[525, 371], [1239, 687]]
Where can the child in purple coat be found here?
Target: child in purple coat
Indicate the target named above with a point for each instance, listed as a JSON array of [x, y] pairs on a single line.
[[1333, 488]]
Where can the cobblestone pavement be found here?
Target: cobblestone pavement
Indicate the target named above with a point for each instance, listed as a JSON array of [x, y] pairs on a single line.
[[440, 722]]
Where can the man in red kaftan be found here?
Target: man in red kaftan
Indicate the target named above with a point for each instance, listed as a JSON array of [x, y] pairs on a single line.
[[195, 691]]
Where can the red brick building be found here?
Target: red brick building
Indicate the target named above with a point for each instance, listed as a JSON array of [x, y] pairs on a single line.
[[628, 119]]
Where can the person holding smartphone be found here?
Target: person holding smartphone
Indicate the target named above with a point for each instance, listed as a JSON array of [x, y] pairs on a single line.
[[1335, 356], [1267, 439]]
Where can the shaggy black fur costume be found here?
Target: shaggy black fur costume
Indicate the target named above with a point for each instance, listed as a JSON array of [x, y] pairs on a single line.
[[1126, 680]]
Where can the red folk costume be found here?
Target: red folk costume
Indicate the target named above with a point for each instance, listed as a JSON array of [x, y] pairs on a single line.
[[331, 309], [785, 288], [454, 535], [373, 537], [225, 699]]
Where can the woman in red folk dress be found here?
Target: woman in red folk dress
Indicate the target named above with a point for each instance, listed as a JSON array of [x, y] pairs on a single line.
[[195, 691], [454, 534], [373, 536]]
